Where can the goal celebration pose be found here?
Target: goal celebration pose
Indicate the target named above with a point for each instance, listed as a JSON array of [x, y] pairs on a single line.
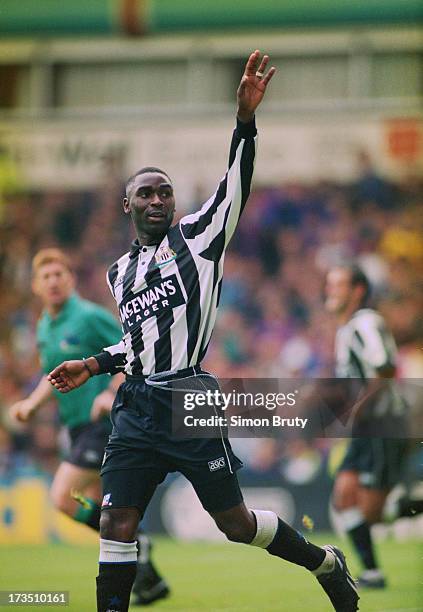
[[167, 289]]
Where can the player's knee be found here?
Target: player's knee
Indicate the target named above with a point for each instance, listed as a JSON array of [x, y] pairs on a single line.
[[342, 501], [117, 525], [345, 492], [372, 515], [236, 532]]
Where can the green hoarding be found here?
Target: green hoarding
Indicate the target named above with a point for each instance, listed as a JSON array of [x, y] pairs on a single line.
[[56, 17]]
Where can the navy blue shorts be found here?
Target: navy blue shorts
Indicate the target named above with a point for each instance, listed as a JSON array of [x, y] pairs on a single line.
[[87, 444], [142, 451], [379, 462]]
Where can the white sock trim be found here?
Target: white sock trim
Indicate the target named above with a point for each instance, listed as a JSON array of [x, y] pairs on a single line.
[[267, 526], [327, 564], [351, 518], [144, 547], [117, 552], [372, 574]]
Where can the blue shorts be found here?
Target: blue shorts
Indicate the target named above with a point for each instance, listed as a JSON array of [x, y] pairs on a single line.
[[379, 462], [88, 442]]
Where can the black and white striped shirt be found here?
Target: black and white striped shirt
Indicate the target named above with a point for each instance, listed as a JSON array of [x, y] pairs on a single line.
[[168, 294], [364, 346]]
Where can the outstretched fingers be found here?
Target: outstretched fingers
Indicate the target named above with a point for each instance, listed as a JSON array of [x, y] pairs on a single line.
[[268, 76], [251, 65], [261, 69], [256, 68]]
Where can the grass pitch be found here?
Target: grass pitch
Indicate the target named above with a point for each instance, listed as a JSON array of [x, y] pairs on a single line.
[[215, 577]]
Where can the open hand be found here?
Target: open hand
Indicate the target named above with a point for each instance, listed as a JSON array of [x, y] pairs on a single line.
[[69, 375], [253, 85]]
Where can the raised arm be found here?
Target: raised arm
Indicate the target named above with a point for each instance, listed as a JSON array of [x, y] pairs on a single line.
[[211, 228], [253, 86]]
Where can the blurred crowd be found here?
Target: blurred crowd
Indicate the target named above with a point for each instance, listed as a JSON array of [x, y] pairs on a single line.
[[271, 323]]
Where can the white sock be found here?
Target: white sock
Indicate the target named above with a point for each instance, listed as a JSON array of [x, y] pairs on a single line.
[[267, 526], [351, 518], [371, 574], [327, 564], [117, 552]]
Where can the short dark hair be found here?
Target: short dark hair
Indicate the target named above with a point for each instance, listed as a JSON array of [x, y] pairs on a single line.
[[358, 278], [144, 170]]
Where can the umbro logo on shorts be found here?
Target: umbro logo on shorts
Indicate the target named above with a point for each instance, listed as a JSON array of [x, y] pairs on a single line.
[[106, 500], [216, 464]]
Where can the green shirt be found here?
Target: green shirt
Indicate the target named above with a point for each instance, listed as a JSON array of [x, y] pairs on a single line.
[[81, 329]]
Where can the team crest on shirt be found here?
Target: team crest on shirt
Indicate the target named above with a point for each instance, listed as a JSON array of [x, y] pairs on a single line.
[[164, 255]]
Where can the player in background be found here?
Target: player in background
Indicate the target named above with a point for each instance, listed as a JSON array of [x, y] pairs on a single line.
[[167, 289], [71, 327], [372, 465]]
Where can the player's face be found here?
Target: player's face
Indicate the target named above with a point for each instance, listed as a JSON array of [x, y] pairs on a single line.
[[338, 290], [53, 284], [151, 204]]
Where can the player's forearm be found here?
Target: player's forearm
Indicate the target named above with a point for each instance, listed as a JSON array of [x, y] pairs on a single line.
[[240, 173], [42, 393], [244, 116], [246, 129], [241, 165], [92, 365]]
